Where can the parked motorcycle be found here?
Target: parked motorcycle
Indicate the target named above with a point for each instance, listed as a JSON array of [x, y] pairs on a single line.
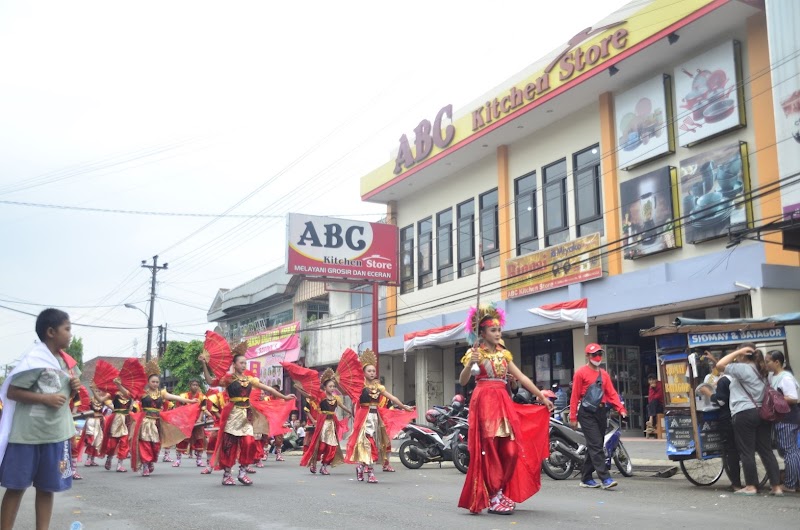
[[445, 439], [568, 449]]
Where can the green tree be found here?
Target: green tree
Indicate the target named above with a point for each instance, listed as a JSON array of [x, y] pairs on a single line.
[[75, 350], [181, 361]]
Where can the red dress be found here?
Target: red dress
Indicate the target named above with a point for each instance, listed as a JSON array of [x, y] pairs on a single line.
[[153, 427], [324, 443], [493, 414]]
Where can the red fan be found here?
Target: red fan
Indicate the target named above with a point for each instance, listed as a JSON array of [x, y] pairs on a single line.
[[133, 377], [104, 376], [256, 394], [351, 374], [305, 379], [217, 353], [83, 396]]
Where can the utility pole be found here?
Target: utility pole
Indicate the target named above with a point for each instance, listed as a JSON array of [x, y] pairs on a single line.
[[154, 268]]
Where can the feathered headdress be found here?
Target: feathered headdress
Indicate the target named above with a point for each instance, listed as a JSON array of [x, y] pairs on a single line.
[[367, 358], [326, 376], [240, 349], [487, 314], [151, 368]]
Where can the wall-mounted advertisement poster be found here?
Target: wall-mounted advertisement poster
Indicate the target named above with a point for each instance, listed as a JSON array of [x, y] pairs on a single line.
[[709, 94], [649, 209], [643, 115], [714, 191], [782, 21]]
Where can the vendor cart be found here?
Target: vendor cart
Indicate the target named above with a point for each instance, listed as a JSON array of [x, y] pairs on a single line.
[[694, 436]]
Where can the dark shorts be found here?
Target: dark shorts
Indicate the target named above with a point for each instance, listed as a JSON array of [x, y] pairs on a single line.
[[46, 466]]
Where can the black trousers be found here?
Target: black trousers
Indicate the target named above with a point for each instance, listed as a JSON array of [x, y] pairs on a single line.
[[593, 425], [754, 435]]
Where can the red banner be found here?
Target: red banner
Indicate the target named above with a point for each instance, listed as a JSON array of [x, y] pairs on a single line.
[[327, 247]]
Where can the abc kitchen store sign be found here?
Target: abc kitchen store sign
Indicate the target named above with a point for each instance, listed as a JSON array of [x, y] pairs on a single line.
[[587, 51], [332, 248]]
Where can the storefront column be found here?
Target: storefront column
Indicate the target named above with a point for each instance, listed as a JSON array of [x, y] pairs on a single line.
[[449, 375], [430, 380], [399, 379], [421, 376]]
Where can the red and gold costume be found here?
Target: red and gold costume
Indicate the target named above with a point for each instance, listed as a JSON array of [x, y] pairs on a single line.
[[115, 430], [507, 441], [92, 435], [79, 404], [324, 445], [215, 403], [197, 440]]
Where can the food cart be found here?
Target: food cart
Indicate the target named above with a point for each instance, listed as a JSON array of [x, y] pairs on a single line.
[[692, 426]]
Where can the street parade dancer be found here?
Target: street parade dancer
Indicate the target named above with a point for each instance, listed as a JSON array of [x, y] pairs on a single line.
[[507, 441], [197, 441], [80, 407], [319, 391], [116, 433], [374, 426], [241, 419], [153, 426], [215, 402], [92, 434]]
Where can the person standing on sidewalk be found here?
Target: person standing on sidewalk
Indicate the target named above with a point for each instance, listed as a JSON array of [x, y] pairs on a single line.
[[593, 413]]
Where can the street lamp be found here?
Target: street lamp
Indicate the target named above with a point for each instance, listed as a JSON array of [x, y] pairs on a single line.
[[131, 306]]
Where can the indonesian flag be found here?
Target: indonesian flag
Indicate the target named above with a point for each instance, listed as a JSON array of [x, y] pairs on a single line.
[[573, 311], [432, 336]]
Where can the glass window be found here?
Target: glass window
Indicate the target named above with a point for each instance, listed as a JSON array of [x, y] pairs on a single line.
[[466, 238], [362, 298], [444, 245], [316, 311], [407, 259], [588, 202], [490, 237], [425, 253], [556, 229], [525, 201]]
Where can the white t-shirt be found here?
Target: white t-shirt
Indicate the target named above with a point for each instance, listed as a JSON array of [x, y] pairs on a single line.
[[301, 432], [786, 383]]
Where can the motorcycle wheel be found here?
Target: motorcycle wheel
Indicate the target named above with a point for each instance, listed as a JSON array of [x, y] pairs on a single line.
[[623, 461], [557, 466], [408, 457], [461, 459]]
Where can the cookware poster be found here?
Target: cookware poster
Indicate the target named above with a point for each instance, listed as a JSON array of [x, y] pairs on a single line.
[[783, 18], [709, 96], [649, 212], [713, 189], [644, 122]]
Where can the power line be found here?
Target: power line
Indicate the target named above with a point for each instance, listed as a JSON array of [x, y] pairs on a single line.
[[71, 322]]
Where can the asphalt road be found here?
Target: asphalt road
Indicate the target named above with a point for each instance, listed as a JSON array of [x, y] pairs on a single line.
[[287, 496]]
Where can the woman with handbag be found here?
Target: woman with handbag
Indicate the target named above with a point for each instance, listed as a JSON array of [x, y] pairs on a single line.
[[787, 429], [753, 435]]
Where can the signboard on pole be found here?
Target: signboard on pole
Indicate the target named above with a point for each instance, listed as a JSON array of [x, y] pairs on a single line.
[[341, 249]]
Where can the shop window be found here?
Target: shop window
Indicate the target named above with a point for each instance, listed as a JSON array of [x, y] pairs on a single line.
[[316, 311], [425, 253], [361, 298], [525, 216], [466, 238], [547, 358], [444, 245], [490, 237], [588, 200], [556, 229], [280, 318], [407, 259]]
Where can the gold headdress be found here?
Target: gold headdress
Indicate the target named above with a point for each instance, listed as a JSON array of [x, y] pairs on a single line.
[[240, 349], [368, 357], [327, 375], [151, 368], [485, 315]]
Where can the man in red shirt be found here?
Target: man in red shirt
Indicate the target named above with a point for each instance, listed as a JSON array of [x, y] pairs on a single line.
[[655, 401], [593, 424]]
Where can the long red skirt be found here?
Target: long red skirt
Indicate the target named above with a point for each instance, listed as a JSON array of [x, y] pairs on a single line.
[[530, 425]]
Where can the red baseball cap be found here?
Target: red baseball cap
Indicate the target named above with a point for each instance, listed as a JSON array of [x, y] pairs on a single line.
[[593, 349]]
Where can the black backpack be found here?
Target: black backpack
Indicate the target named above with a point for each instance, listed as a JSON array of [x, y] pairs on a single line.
[[594, 395]]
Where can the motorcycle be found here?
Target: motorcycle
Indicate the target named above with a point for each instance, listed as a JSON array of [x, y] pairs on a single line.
[[445, 439], [568, 449]]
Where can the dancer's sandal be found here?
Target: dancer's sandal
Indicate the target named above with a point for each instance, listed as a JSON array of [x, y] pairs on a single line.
[[360, 473], [388, 468], [324, 470], [176, 463], [313, 468], [227, 480], [371, 478], [499, 508], [206, 471], [107, 465], [121, 469], [244, 479], [250, 469]]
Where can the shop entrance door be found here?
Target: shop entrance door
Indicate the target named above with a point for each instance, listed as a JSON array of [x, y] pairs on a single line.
[[624, 366]]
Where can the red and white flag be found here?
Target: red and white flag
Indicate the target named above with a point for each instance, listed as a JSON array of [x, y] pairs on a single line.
[[573, 311], [432, 336]]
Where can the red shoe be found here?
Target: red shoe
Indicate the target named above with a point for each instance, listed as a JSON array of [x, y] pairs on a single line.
[[244, 479], [145, 470], [279, 457], [199, 462], [152, 466], [371, 476], [500, 505], [206, 471], [313, 468], [324, 470], [166, 458], [176, 463], [360, 473], [259, 465], [121, 469], [76, 476], [108, 464], [388, 468], [250, 469], [227, 480]]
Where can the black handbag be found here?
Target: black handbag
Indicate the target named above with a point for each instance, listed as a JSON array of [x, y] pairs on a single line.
[[594, 395]]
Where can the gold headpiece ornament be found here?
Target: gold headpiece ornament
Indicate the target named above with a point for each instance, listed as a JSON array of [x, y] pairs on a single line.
[[485, 316], [151, 368], [327, 375], [240, 349], [367, 358]]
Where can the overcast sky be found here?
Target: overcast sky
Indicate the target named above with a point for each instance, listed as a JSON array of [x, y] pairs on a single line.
[[199, 107]]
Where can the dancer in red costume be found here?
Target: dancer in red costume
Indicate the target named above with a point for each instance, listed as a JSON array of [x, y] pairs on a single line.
[[215, 402], [153, 427], [241, 419], [116, 433], [507, 441], [374, 426], [80, 408], [324, 445], [197, 441], [92, 435]]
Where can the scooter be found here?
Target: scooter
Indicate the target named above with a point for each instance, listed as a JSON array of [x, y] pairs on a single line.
[[568, 449], [444, 440]]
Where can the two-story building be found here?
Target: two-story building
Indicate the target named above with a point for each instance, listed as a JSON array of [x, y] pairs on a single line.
[[634, 167]]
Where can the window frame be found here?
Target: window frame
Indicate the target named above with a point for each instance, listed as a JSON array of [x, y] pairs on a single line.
[[404, 288], [466, 264], [598, 190], [444, 275], [562, 183], [425, 276], [534, 212], [491, 258]]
